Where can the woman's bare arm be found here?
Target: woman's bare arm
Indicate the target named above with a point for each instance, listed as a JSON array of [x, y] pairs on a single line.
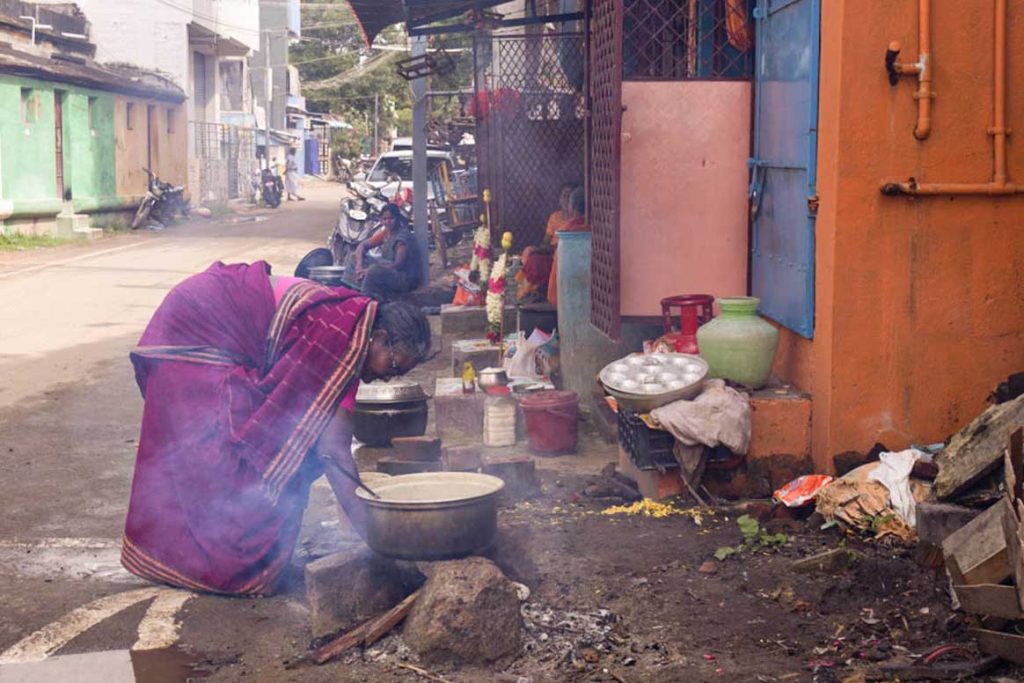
[[334, 448]]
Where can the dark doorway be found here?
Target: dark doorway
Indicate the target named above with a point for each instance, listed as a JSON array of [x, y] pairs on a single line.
[[58, 129]]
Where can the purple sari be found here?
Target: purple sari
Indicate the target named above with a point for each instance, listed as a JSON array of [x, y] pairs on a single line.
[[237, 392]]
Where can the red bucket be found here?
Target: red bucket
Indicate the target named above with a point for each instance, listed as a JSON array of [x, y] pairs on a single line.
[[552, 419]]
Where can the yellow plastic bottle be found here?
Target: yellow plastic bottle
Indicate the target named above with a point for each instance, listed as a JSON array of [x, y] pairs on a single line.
[[468, 378]]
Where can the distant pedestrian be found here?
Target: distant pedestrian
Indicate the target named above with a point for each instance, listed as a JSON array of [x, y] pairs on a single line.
[[291, 177]]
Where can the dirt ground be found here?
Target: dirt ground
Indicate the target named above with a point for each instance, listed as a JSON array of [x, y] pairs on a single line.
[[616, 598]]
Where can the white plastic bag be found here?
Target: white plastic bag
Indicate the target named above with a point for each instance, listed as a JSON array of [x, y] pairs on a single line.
[[523, 360]]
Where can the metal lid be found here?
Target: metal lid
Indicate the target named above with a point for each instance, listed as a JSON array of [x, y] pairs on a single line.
[[393, 391]]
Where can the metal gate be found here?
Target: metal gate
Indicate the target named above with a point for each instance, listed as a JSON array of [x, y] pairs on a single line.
[[783, 196], [604, 152], [529, 126]]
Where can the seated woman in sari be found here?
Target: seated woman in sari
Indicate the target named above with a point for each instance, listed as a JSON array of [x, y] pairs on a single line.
[[532, 279], [399, 268], [249, 382], [576, 223]]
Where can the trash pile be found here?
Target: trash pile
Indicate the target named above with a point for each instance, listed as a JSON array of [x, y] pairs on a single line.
[[962, 503]]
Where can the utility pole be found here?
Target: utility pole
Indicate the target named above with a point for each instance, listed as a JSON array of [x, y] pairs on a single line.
[[419, 155], [269, 88], [376, 119]]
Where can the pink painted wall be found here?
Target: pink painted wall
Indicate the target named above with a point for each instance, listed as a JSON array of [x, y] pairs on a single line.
[[684, 191]]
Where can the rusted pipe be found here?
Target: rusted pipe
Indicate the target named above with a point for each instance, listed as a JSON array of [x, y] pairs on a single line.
[[1000, 184], [999, 131], [922, 69]]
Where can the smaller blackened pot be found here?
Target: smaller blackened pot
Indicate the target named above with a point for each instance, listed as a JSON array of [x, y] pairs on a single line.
[[375, 424]]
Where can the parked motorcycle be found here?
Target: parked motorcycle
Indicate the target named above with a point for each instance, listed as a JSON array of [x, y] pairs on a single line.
[[162, 202], [271, 187], [358, 219]]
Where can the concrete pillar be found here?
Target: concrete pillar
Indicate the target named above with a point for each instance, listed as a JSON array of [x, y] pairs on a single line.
[[419, 157]]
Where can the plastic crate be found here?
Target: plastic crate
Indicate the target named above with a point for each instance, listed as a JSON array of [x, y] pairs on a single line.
[[648, 449]]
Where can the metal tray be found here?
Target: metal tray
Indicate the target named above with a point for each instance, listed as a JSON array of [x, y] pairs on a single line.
[[643, 382]]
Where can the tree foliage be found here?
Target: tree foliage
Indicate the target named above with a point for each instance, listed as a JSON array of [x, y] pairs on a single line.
[[332, 49]]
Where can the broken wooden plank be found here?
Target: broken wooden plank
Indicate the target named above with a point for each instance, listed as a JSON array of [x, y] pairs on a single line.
[[940, 671], [1003, 645], [1014, 547], [977, 449], [1014, 464], [990, 600], [979, 549], [366, 633]]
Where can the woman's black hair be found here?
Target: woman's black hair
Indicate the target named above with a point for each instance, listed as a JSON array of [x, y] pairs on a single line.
[[407, 328], [314, 259], [578, 201], [396, 211]]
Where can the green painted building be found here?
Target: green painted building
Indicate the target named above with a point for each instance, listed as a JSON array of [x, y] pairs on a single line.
[[58, 137]]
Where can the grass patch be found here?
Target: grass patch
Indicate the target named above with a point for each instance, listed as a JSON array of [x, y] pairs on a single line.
[[219, 210], [19, 242]]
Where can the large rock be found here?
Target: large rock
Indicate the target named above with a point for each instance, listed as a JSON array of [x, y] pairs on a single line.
[[346, 588], [977, 449], [468, 612]]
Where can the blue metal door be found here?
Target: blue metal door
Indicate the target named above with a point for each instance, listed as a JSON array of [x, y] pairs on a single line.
[[783, 200]]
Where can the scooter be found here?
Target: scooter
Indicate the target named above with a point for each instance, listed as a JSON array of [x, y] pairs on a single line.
[[162, 203], [358, 219], [271, 187]]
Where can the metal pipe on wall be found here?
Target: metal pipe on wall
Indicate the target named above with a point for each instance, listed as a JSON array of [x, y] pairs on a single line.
[[1000, 184], [922, 69]]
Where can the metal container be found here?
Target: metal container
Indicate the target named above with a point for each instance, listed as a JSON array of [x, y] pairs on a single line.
[[376, 424], [394, 391], [493, 377], [433, 515], [332, 276], [644, 382]]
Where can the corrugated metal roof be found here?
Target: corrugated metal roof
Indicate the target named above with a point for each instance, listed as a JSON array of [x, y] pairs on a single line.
[[115, 78]]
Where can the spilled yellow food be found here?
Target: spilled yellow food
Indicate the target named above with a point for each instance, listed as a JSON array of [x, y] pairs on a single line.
[[651, 508]]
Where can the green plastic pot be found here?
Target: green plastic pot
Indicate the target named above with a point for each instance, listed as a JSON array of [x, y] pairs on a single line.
[[739, 345]]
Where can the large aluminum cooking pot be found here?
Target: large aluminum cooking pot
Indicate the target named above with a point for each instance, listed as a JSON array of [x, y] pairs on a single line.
[[433, 515]]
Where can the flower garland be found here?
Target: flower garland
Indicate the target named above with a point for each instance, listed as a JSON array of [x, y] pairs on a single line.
[[495, 302], [480, 263]]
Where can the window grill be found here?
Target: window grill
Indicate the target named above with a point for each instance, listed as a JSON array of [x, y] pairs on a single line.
[[530, 126], [676, 40]]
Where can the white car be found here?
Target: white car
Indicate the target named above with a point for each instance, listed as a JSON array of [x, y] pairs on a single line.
[[404, 144], [392, 165]]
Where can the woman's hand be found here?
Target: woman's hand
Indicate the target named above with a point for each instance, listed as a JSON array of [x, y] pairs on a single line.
[[334, 448]]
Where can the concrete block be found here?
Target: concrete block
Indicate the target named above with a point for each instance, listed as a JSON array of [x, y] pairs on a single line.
[[424, 448], [466, 321], [346, 588], [780, 423], [652, 483], [936, 521], [519, 472], [459, 417], [461, 458], [480, 352], [394, 466]]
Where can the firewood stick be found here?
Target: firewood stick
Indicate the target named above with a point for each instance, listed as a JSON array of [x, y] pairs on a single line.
[[366, 633], [423, 672]]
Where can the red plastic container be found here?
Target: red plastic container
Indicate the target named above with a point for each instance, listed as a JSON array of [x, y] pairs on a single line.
[[552, 421], [694, 311]]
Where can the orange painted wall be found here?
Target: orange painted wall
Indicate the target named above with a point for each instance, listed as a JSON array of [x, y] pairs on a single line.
[[919, 302], [684, 191]]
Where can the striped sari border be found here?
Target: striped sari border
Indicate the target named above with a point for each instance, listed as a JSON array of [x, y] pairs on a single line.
[[138, 562], [289, 459], [206, 355], [293, 300]]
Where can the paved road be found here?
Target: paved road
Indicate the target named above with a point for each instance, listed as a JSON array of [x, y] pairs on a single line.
[[69, 415]]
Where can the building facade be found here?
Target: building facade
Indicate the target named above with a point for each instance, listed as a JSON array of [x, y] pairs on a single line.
[[64, 164]]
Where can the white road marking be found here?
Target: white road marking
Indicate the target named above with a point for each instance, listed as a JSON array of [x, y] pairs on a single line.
[[88, 543], [161, 627], [73, 259], [50, 638]]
